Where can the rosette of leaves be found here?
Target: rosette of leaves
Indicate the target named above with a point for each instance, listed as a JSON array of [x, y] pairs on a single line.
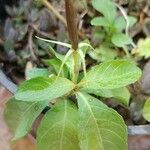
[[78, 120], [113, 25]]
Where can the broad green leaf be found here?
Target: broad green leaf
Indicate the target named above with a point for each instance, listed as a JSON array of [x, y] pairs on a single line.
[[100, 21], [122, 95], [100, 127], [146, 110], [120, 22], [58, 130], [110, 75], [106, 7], [143, 48], [37, 72], [42, 88], [120, 39], [56, 64], [20, 116]]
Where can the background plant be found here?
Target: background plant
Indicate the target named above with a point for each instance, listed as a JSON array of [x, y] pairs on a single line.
[[112, 29]]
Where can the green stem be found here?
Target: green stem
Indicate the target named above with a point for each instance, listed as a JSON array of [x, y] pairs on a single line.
[[126, 52], [76, 58]]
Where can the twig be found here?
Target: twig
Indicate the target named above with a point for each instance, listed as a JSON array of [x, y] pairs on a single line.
[[55, 12], [41, 32], [30, 43]]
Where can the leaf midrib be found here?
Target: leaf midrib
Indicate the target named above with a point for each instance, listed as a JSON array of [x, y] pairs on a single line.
[[61, 140], [64, 123], [22, 118], [99, 137]]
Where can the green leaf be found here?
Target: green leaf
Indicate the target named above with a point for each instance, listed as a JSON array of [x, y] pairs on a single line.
[[143, 48], [100, 127], [66, 60], [85, 46], [122, 95], [37, 72], [103, 53], [56, 64], [110, 75], [120, 22], [21, 115], [120, 39], [58, 130], [100, 21], [146, 110], [42, 88], [106, 7]]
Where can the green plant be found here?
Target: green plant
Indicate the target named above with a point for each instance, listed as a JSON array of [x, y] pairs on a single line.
[[78, 119], [143, 48], [112, 29]]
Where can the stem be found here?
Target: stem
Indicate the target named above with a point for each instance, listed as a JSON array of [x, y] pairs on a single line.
[[73, 35], [59, 16], [76, 66], [72, 23], [126, 52], [30, 43]]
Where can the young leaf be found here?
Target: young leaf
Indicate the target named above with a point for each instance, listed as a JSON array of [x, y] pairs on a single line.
[[58, 130], [42, 88], [55, 42], [37, 72], [143, 48], [66, 60], [110, 75], [100, 127], [146, 110], [106, 7], [103, 53], [122, 95], [21, 115], [100, 21], [120, 22], [120, 39], [56, 63]]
